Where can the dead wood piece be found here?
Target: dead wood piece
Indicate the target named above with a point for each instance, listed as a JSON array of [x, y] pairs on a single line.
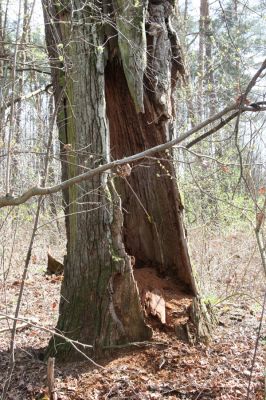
[[183, 333], [54, 266], [50, 379], [200, 324], [203, 320], [155, 305]]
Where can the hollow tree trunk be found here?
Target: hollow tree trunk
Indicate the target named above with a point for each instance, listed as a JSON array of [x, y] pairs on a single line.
[[127, 74], [153, 229], [96, 308]]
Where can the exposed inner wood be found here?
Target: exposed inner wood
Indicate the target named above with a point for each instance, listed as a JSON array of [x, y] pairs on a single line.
[[165, 302], [153, 228]]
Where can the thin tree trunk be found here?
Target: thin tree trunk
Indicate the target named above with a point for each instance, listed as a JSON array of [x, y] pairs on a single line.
[[210, 81], [210, 90], [22, 58], [51, 172], [204, 7], [12, 107], [4, 78]]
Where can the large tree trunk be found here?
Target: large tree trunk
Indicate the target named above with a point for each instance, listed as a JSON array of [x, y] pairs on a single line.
[[100, 302], [93, 308]]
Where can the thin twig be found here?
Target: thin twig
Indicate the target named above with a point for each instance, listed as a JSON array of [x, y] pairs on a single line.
[[26, 96], [50, 378], [17, 328], [136, 344], [256, 347], [11, 364], [72, 342]]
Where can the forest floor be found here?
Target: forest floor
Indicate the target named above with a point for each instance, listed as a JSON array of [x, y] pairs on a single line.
[[230, 274]]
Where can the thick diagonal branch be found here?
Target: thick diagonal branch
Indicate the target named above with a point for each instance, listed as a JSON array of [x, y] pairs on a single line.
[[41, 191]]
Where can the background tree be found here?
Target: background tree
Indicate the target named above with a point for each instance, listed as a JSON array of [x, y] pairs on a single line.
[[211, 183], [25, 96]]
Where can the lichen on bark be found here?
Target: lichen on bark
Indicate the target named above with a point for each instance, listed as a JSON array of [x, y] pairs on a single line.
[[130, 22]]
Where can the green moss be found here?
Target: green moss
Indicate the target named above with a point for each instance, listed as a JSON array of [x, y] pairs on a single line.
[[118, 263], [116, 258], [69, 321], [62, 79]]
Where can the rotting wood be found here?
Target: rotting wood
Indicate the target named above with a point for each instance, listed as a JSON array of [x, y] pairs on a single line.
[[154, 304], [54, 266], [99, 302], [50, 378]]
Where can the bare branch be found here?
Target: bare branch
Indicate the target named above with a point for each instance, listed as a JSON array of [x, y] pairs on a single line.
[[40, 71], [254, 79], [27, 96], [74, 343], [212, 130], [254, 107], [40, 191]]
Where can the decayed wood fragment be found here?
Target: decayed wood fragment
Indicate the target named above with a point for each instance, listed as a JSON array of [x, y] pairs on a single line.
[[50, 379], [155, 305], [54, 266]]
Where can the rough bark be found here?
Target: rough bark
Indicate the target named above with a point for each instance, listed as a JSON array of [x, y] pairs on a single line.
[[131, 80], [98, 271]]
